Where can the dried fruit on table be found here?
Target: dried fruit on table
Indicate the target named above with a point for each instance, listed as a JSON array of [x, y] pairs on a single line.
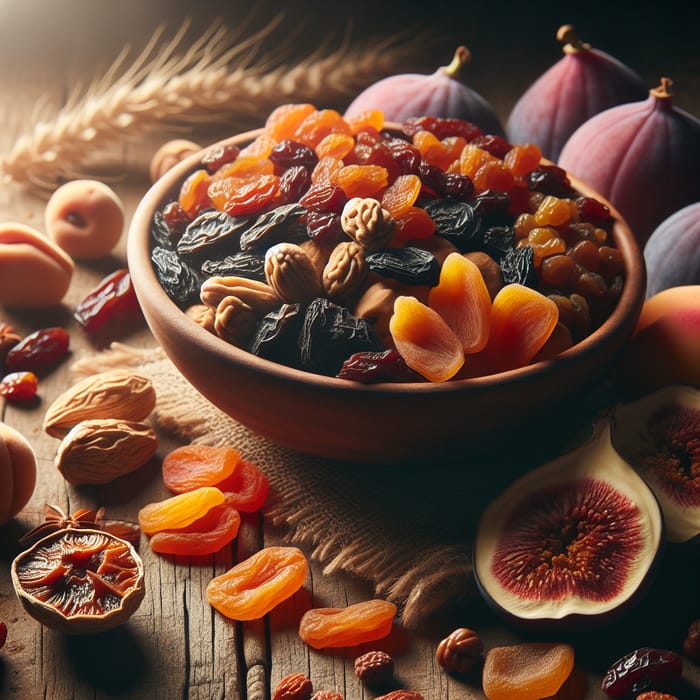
[[461, 651], [250, 589], [463, 301], [111, 302], [541, 559], [188, 467], [323, 628], [374, 668], [111, 394], [19, 386], [179, 511], [18, 469], [424, 340], [642, 669], [39, 350], [206, 535], [79, 581], [527, 671], [293, 686], [246, 488]]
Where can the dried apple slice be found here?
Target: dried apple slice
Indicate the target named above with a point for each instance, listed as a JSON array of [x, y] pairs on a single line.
[[659, 435], [574, 540]]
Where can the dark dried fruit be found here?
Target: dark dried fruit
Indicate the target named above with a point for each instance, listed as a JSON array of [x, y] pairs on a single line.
[[19, 386], [248, 264], [518, 267], [38, 350], [211, 235], [408, 265], [454, 220], [294, 686], [3, 634], [373, 367], [273, 227], [112, 302], [461, 651], [691, 643], [277, 335], [643, 669], [179, 281], [375, 668]]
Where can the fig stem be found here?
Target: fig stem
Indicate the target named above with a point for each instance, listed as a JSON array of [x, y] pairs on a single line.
[[663, 91], [462, 56], [572, 44]]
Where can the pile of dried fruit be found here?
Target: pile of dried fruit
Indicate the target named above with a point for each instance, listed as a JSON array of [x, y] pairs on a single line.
[[327, 239]]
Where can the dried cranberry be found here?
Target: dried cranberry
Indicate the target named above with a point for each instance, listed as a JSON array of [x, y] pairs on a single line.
[[384, 366], [19, 386], [592, 210], [113, 300], [643, 669], [39, 350]]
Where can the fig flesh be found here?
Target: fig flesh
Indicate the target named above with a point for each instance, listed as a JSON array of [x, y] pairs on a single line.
[[573, 542], [641, 156], [584, 82], [659, 435], [440, 94]]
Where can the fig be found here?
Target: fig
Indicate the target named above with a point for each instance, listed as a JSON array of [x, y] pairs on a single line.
[[573, 542], [663, 349], [672, 253], [583, 83], [440, 94], [659, 435], [641, 156]]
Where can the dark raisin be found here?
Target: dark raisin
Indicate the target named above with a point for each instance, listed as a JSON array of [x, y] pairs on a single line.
[[491, 203], [294, 182], [458, 186], [277, 335], [454, 220], [442, 127], [330, 334], [220, 154], [550, 179], [494, 144], [212, 234], [433, 177], [180, 281], [273, 227], [161, 233], [324, 228], [518, 267], [374, 367], [497, 241], [324, 197], [288, 153], [248, 264], [408, 265], [406, 155]]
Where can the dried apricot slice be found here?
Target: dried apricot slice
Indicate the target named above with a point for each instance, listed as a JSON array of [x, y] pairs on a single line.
[[424, 340], [319, 124], [193, 195], [462, 299], [206, 535], [252, 588], [401, 195], [526, 671], [190, 466], [179, 511], [284, 120], [335, 145], [323, 628], [246, 488], [362, 180]]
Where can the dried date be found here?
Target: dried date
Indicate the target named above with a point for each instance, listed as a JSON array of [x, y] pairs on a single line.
[[374, 367]]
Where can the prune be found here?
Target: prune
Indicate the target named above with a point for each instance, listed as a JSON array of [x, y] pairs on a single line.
[[455, 221], [491, 202], [273, 227], [210, 235], [372, 367], [248, 264], [518, 266], [180, 281], [276, 337], [408, 265], [330, 334]]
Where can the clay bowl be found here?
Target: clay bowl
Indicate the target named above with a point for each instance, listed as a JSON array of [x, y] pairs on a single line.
[[381, 423]]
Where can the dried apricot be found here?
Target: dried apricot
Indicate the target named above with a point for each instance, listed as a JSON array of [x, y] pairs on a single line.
[[284, 120], [190, 466], [526, 671], [362, 180], [252, 588], [179, 511], [246, 488], [193, 196], [401, 195], [322, 628], [239, 196], [319, 124]]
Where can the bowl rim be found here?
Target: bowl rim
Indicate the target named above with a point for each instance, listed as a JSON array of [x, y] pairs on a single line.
[[146, 283]]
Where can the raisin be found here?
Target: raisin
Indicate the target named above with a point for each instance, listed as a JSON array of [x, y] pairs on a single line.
[[324, 227], [39, 350], [294, 182], [245, 263], [178, 279], [288, 153], [492, 143], [456, 221], [518, 266], [497, 241], [550, 179], [409, 265], [211, 234], [330, 334], [220, 154], [373, 367], [243, 197], [277, 334], [324, 197], [274, 226]]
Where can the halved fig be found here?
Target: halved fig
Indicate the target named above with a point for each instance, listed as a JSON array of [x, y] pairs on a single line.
[[659, 435], [574, 541]]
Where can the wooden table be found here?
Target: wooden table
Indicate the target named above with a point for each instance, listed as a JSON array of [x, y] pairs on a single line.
[[176, 646]]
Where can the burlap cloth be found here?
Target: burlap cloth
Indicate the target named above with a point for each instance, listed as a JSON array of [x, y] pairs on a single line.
[[406, 530]]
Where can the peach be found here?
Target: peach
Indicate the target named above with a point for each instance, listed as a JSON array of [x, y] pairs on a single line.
[[664, 348]]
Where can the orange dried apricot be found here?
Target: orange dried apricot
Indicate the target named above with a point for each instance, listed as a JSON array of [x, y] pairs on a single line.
[[462, 299], [179, 511], [522, 320], [190, 466], [243, 196], [335, 145], [284, 120], [362, 180], [527, 671], [193, 195], [323, 628], [319, 124], [401, 195], [522, 158], [206, 535], [250, 589], [246, 488], [424, 340]]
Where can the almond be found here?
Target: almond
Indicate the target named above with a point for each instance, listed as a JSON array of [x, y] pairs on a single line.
[[113, 394]]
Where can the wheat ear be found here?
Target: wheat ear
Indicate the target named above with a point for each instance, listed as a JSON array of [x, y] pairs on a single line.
[[215, 78]]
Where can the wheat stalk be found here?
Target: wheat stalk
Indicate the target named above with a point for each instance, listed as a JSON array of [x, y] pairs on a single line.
[[217, 77]]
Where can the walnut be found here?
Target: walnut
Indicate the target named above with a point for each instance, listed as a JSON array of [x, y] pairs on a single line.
[[367, 223], [235, 321], [291, 273], [345, 273], [257, 295], [203, 316], [461, 651], [375, 668]]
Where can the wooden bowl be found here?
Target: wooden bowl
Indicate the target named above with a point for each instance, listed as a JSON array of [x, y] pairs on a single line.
[[381, 423]]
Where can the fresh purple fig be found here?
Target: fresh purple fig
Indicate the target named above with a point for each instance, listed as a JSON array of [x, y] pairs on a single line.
[[642, 157], [573, 542], [439, 94], [583, 83], [672, 253]]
